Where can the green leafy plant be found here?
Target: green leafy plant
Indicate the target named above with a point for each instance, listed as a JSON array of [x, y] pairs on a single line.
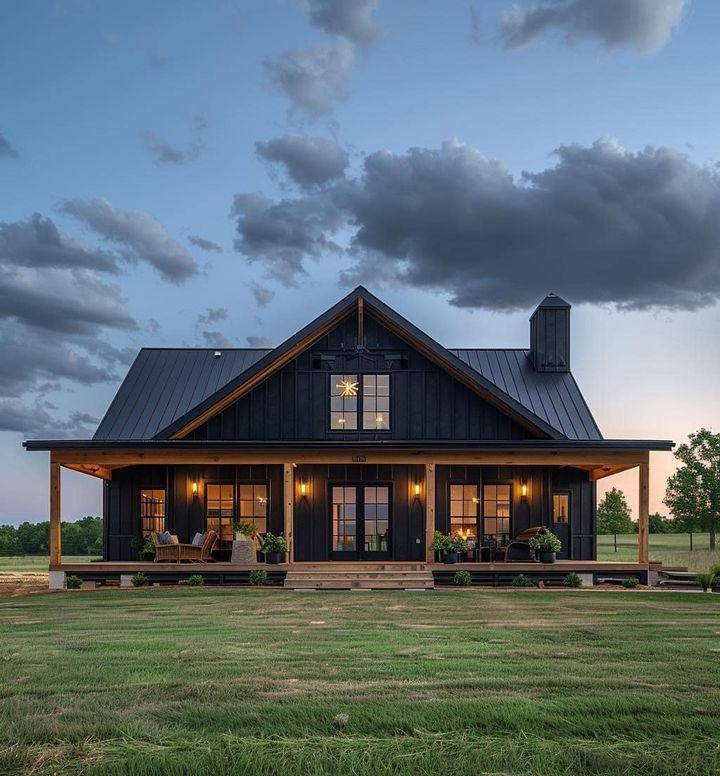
[[522, 581], [715, 569], [462, 578], [448, 543], [705, 580], [72, 582], [572, 580], [545, 541], [195, 580], [246, 528], [630, 582], [257, 577], [142, 544], [272, 543], [139, 580]]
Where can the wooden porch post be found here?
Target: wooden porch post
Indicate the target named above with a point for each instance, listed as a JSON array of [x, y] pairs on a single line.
[[429, 510], [55, 525], [644, 511], [289, 499]]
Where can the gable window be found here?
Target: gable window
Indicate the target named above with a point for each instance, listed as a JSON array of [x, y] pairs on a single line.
[[561, 507], [220, 511], [152, 510], [343, 402], [464, 511], [496, 514], [376, 402]]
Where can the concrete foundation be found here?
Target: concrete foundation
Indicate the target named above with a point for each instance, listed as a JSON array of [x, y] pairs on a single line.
[[56, 580]]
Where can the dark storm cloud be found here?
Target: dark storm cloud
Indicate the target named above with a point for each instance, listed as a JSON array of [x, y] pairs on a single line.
[[33, 419], [283, 234], [643, 24], [351, 19], [203, 244], [263, 296], [313, 78], [138, 234], [308, 161], [37, 242], [603, 225], [5, 148]]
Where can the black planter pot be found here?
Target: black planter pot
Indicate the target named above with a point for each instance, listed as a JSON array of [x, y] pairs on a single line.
[[547, 557], [275, 557], [449, 557]]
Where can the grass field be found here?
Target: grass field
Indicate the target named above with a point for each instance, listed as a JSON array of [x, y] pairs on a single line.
[[27, 563], [671, 549], [201, 682]]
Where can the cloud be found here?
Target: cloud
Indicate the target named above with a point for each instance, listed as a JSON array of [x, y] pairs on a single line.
[[258, 342], [313, 78], [203, 244], [352, 19], [308, 161], [642, 24], [212, 315], [603, 225], [282, 235], [5, 148], [33, 419], [138, 234], [263, 296], [37, 242], [215, 339], [162, 152]]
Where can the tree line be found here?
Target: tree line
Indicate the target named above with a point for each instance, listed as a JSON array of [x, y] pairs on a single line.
[[83, 537]]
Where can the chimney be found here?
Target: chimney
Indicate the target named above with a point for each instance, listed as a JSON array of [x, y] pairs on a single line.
[[550, 335]]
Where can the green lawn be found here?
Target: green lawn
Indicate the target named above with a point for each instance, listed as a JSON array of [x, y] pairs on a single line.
[[201, 681], [671, 549], [26, 563]]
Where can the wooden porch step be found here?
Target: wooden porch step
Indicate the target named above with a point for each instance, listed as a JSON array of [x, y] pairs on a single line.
[[358, 566], [344, 579]]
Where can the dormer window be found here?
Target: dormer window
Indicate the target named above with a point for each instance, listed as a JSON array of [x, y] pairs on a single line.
[[349, 391]]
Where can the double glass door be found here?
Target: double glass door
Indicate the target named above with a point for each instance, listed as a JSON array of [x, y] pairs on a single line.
[[360, 522]]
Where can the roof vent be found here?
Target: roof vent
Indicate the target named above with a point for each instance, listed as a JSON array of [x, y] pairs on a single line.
[[217, 354]]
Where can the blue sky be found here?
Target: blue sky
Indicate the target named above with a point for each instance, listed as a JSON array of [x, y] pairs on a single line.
[[92, 94]]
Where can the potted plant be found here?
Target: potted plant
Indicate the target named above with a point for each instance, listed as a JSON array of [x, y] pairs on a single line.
[[448, 546], [705, 580], [274, 547], [244, 530], [545, 545], [144, 546]]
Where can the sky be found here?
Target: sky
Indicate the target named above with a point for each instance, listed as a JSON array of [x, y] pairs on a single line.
[[218, 173]]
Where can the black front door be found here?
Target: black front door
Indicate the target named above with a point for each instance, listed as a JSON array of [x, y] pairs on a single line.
[[360, 521]]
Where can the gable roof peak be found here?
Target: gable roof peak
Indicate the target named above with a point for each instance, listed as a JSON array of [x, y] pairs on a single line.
[[553, 300]]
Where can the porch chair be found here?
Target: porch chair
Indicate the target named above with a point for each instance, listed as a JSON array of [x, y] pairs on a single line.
[[518, 548], [198, 553], [164, 551]]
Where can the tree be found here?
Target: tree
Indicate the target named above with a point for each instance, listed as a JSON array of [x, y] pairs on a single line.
[[613, 515], [658, 524], [693, 492]]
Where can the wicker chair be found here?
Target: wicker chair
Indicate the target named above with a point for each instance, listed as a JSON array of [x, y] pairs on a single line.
[[518, 548], [165, 553], [198, 553]]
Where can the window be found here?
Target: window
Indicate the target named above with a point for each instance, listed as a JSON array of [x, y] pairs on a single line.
[[252, 505], [376, 402], [561, 507], [496, 513], [220, 511], [376, 519], [152, 510], [343, 402], [464, 511], [344, 515]]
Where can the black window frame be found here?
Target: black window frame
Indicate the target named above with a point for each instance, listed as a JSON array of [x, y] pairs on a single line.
[[510, 518], [148, 531], [236, 485], [560, 492], [360, 399], [478, 517]]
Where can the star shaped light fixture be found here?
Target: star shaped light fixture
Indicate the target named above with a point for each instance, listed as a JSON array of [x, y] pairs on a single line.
[[348, 388]]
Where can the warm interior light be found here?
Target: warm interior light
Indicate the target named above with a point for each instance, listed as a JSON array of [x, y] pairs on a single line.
[[194, 488], [348, 388], [303, 488], [341, 421], [379, 419], [523, 490]]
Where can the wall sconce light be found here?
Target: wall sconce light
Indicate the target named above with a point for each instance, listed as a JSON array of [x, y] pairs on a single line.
[[303, 488], [194, 489], [523, 490], [416, 490]]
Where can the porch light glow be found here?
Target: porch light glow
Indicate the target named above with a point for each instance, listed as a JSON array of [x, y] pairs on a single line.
[[195, 488], [348, 388], [303, 488], [416, 489], [523, 490]]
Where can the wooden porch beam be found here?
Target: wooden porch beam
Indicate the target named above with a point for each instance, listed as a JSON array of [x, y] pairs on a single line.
[[92, 469], [55, 517], [289, 503], [429, 510], [644, 512]]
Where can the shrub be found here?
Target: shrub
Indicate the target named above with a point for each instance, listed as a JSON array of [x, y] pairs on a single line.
[[139, 580], [715, 570], [272, 543], [631, 582], [194, 580], [545, 541], [705, 580], [72, 582], [462, 578], [245, 527], [257, 577], [142, 544], [572, 580], [522, 581], [448, 543]]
